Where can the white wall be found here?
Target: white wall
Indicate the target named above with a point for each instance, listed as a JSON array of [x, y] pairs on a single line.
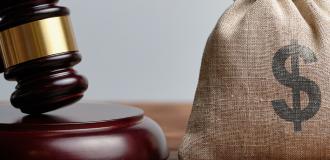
[[140, 49]]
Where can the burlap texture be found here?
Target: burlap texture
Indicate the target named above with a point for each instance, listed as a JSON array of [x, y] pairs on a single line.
[[263, 53]]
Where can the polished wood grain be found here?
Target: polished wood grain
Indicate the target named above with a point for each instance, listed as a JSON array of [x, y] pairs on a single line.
[[18, 12], [172, 117], [47, 84], [81, 132]]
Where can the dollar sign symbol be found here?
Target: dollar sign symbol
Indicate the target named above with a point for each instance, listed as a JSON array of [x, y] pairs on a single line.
[[298, 83]]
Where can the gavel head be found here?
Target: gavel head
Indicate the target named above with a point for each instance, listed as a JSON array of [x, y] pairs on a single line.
[[39, 51]]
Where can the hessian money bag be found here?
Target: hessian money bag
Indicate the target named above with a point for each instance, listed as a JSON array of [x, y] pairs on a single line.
[[264, 86]]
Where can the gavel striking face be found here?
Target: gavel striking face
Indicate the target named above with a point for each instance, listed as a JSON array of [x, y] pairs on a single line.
[[39, 51]]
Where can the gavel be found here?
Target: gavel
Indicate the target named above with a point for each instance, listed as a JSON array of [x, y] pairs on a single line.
[[38, 50]]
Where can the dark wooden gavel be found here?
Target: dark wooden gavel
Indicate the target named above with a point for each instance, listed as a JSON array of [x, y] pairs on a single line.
[[39, 51]]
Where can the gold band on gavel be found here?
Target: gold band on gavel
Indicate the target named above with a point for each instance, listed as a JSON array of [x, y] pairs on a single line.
[[37, 39]]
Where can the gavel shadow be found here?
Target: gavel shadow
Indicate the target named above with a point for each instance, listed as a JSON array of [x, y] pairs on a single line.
[[42, 119]]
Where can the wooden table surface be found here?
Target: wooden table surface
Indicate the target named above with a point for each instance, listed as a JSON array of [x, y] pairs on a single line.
[[172, 117]]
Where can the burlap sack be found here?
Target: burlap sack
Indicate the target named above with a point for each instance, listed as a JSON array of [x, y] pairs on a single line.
[[264, 87]]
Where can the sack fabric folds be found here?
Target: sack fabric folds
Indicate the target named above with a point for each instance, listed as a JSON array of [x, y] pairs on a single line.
[[264, 86]]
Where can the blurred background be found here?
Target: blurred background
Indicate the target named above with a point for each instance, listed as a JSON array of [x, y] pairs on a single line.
[[145, 50]]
